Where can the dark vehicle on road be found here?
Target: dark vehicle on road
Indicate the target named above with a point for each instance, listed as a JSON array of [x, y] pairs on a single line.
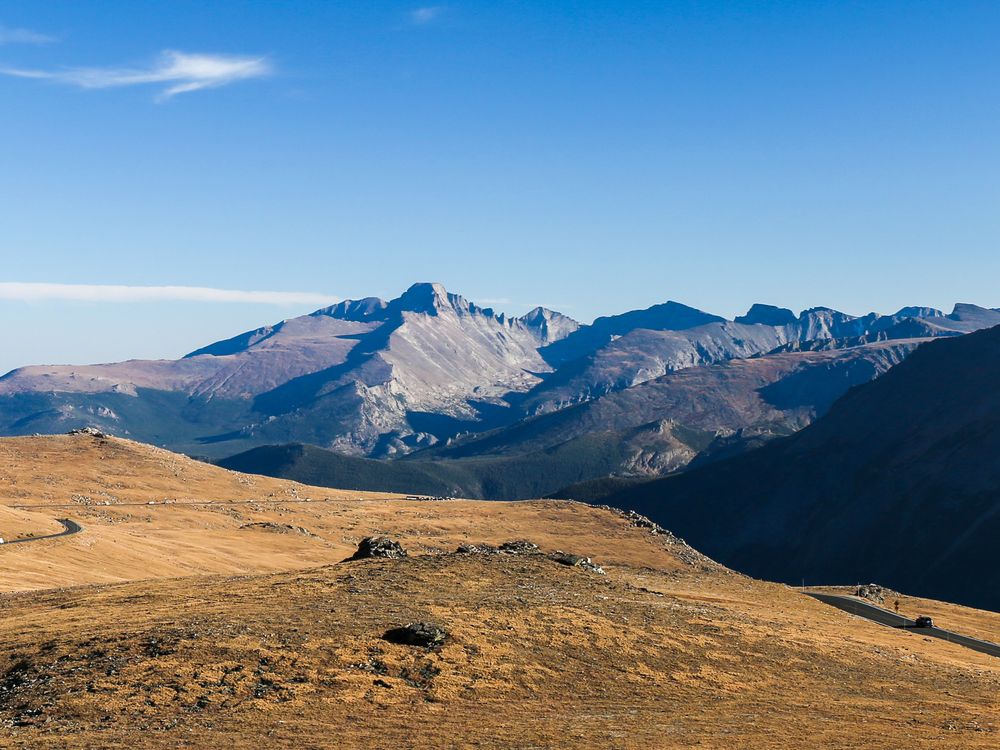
[[924, 622]]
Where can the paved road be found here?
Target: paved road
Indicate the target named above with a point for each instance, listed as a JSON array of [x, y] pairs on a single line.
[[885, 617], [69, 527], [183, 503]]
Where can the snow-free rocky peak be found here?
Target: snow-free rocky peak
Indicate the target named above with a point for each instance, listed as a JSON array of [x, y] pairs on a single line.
[[550, 325], [376, 377], [767, 315]]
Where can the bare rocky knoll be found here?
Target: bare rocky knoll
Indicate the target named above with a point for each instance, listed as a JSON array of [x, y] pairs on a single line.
[[204, 608], [898, 483]]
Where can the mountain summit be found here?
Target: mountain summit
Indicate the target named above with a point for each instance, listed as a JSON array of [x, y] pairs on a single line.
[[384, 378], [768, 315], [362, 376]]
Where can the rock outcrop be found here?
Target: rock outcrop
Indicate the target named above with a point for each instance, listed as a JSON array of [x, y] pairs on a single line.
[[576, 561], [421, 634], [379, 546]]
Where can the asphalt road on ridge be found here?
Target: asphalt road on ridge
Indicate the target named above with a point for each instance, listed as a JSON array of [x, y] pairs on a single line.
[[69, 527], [884, 617]]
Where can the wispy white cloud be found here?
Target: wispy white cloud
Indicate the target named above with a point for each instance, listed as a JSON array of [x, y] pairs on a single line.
[[423, 16], [10, 35], [119, 293], [181, 71]]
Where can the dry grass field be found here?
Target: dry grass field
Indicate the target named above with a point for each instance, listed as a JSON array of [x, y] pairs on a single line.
[[200, 608]]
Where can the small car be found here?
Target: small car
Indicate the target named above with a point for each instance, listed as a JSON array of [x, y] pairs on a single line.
[[924, 622]]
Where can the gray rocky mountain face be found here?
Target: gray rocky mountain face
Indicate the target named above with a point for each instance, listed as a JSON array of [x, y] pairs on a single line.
[[664, 423], [352, 376], [645, 353], [387, 378]]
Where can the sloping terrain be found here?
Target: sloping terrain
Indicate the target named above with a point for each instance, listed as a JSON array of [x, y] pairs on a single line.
[[898, 483], [244, 625]]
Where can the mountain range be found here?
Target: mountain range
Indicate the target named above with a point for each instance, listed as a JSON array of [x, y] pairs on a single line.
[[899, 482], [431, 376]]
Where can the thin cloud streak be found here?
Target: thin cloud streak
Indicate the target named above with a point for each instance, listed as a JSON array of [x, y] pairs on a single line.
[[9, 35], [183, 72], [34, 292], [422, 16]]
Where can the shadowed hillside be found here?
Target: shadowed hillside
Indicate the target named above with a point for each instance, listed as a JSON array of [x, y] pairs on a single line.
[[898, 483], [489, 478]]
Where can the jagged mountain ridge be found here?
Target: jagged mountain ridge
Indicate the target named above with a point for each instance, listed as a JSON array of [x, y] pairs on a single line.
[[616, 362], [295, 347], [385, 378]]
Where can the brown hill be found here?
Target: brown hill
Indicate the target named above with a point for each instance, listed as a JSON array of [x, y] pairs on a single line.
[[225, 614]]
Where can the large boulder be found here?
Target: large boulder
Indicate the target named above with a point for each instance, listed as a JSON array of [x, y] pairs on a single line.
[[872, 591], [379, 546], [92, 431], [519, 547], [477, 549], [576, 561], [423, 634]]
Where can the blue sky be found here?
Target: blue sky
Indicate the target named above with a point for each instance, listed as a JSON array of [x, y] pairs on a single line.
[[596, 157]]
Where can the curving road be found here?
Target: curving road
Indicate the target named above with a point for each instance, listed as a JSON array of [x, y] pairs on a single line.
[[69, 527], [891, 619]]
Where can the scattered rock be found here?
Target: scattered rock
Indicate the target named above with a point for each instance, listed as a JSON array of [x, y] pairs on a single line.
[[515, 547], [871, 591], [92, 431], [477, 549], [424, 634], [378, 546], [277, 528], [576, 561], [684, 552], [640, 521], [518, 547]]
